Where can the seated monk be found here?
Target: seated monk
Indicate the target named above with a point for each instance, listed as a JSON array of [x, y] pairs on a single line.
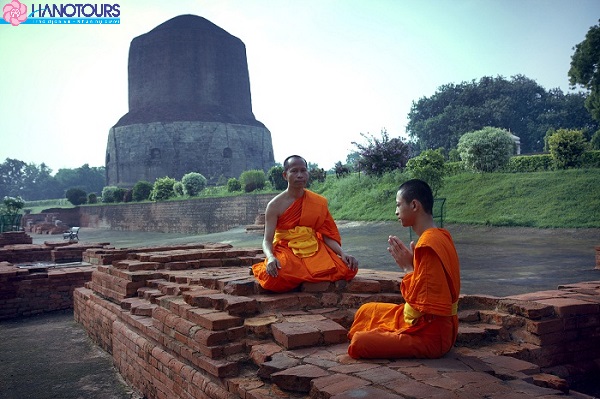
[[301, 241], [426, 325]]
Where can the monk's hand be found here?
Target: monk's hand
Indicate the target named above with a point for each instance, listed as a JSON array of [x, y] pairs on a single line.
[[273, 266], [401, 253], [350, 261]]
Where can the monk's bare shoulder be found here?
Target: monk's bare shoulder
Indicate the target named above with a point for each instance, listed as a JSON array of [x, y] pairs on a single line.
[[280, 203]]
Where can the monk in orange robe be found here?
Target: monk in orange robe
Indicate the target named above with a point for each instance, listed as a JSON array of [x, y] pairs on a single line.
[[426, 325], [301, 241]]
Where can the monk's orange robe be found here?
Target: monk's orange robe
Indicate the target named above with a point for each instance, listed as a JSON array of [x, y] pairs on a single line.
[[298, 245], [426, 325]]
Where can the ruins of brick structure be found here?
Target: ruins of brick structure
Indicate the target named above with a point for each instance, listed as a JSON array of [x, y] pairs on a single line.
[[190, 321], [190, 108]]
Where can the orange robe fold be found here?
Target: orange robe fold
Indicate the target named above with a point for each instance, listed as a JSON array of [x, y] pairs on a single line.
[[385, 330], [311, 211]]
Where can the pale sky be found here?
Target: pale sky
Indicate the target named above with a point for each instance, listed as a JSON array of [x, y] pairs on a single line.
[[321, 71]]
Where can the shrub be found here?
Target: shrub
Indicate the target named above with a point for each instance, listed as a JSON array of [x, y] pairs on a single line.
[[317, 175], [76, 196], [110, 194], [141, 191], [178, 188], [233, 185], [454, 168], [590, 159], [486, 150], [566, 147], [428, 166], [193, 183], [529, 163], [453, 155], [128, 195], [276, 178], [380, 156], [92, 198], [341, 171], [252, 180], [595, 141], [120, 193], [163, 189], [13, 205]]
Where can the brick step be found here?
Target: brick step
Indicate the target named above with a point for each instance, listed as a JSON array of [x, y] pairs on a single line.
[[476, 334]]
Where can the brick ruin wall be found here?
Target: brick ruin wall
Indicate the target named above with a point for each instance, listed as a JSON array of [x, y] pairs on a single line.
[[194, 216], [190, 321]]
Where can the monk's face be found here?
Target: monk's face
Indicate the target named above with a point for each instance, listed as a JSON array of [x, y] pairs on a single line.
[[297, 173], [404, 210]]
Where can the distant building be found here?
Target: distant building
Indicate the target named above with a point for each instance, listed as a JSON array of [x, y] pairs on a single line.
[[190, 108]]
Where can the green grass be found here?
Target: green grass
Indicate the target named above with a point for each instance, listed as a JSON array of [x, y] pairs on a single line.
[[557, 199]]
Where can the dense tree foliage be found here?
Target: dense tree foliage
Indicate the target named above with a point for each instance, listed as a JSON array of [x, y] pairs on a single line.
[[33, 182], [519, 105], [585, 69], [379, 156], [428, 166]]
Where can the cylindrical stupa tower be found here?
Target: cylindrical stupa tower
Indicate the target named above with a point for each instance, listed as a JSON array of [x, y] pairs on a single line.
[[190, 108]]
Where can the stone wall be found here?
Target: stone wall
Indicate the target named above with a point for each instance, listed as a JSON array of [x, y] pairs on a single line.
[[147, 151], [194, 216]]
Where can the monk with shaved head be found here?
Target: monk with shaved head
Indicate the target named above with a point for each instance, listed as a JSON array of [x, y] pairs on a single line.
[[426, 325], [301, 242]]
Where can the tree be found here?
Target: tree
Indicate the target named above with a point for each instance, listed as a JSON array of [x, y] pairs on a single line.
[[90, 179], [193, 183], [519, 105], [566, 147], [429, 167], [383, 155], [76, 196], [585, 69], [486, 150]]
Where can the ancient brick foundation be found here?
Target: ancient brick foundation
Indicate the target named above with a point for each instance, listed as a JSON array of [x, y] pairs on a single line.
[[25, 292], [194, 216], [192, 322]]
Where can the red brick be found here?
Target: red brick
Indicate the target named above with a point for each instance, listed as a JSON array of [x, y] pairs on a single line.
[[297, 378], [335, 384], [295, 335]]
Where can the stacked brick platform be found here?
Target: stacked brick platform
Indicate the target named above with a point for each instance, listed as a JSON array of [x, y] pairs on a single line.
[[14, 237], [190, 321], [25, 292]]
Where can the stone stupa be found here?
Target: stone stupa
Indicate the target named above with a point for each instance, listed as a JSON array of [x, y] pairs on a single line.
[[190, 108]]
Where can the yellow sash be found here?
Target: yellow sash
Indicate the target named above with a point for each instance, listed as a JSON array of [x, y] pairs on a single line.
[[302, 240], [411, 314]]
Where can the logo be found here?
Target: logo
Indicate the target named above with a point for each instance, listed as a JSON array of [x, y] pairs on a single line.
[[15, 13]]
